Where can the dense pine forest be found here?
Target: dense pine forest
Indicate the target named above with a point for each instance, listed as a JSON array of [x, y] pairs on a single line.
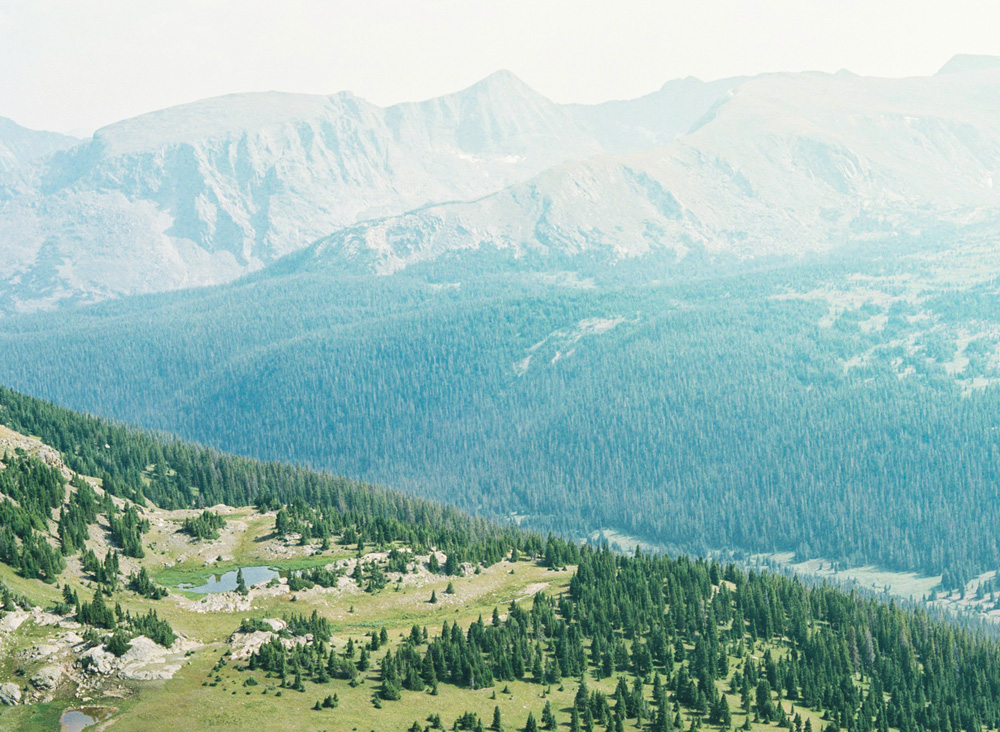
[[836, 411], [137, 465], [640, 642]]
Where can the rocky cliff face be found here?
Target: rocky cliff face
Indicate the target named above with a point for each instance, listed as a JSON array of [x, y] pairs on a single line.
[[202, 193], [786, 164], [778, 164]]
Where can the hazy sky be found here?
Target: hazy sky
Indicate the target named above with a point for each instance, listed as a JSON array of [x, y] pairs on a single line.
[[74, 65]]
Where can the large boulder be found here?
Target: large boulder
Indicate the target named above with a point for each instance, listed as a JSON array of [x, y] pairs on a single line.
[[10, 694], [97, 661], [245, 645], [147, 661], [47, 677]]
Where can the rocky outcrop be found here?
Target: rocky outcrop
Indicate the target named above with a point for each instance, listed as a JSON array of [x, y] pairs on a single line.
[[14, 619], [245, 645], [97, 661], [144, 661], [47, 677], [10, 694], [11, 441]]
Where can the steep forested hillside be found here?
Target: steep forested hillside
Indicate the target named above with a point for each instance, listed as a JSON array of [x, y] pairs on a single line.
[[369, 628], [135, 465], [842, 410]]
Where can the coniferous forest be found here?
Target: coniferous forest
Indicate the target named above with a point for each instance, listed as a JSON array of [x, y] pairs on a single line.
[[383, 403], [642, 641], [715, 410]]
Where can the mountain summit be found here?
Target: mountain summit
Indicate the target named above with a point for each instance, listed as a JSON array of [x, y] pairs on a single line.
[[204, 192], [785, 164], [747, 167], [969, 62]]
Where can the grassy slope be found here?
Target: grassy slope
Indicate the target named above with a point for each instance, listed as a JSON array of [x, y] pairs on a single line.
[[187, 702]]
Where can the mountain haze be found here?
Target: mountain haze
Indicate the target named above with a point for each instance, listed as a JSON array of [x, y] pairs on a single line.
[[204, 192], [787, 164], [775, 165], [752, 327], [19, 145]]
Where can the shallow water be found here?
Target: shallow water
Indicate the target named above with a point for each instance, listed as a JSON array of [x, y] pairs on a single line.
[[226, 582], [75, 720]]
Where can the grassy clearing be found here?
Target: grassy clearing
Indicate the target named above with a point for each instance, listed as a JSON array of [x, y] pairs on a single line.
[[37, 717], [186, 700]]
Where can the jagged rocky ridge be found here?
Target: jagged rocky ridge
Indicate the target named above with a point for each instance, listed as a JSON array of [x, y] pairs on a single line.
[[204, 192]]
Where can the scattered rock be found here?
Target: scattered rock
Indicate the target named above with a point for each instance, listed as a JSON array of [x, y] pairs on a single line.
[[10, 694], [222, 602]]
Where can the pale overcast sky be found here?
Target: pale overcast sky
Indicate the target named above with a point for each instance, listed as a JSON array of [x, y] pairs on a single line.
[[75, 65]]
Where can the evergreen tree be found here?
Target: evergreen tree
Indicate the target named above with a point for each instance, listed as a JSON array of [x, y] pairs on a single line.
[[241, 585]]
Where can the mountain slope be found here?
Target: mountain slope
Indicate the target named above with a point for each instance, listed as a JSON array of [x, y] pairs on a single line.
[[773, 165], [283, 617], [657, 403], [19, 145], [788, 164], [201, 193]]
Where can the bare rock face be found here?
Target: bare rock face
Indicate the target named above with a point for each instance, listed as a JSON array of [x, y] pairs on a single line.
[[10, 694], [47, 677], [97, 661], [245, 645]]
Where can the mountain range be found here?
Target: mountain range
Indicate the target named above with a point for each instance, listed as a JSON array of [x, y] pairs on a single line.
[[202, 193], [770, 298], [778, 164], [395, 370]]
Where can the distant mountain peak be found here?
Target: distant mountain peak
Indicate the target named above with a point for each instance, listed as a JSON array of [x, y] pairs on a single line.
[[502, 81], [19, 145], [9, 126], [969, 62]]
